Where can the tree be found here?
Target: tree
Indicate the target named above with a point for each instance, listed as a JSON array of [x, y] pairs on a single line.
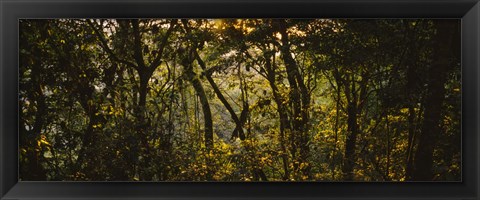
[[437, 75], [239, 100]]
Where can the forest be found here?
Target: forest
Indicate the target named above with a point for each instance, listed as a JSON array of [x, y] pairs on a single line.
[[239, 100]]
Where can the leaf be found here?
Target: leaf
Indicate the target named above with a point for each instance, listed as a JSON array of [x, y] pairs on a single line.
[[47, 154]]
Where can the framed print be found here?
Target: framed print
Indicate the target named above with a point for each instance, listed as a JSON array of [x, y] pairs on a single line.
[[239, 99]]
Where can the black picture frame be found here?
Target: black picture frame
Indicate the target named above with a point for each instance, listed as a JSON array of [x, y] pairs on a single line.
[[467, 10]]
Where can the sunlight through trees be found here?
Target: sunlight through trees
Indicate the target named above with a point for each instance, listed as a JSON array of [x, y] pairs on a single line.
[[240, 100]]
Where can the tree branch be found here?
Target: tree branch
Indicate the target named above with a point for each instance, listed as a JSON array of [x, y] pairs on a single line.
[[104, 45], [157, 60], [137, 54]]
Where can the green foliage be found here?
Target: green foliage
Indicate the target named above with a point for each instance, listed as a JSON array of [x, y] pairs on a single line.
[[316, 100]]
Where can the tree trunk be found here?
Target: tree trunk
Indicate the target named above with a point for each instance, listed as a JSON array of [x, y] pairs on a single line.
[[437, 74], [239, 122], [337, 119], [207, 114], [349, 160], [300, 99], [411, 85], [410, 144], [142, 126], [284, 122], [35, 170], [411, 92], [144, 74]]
